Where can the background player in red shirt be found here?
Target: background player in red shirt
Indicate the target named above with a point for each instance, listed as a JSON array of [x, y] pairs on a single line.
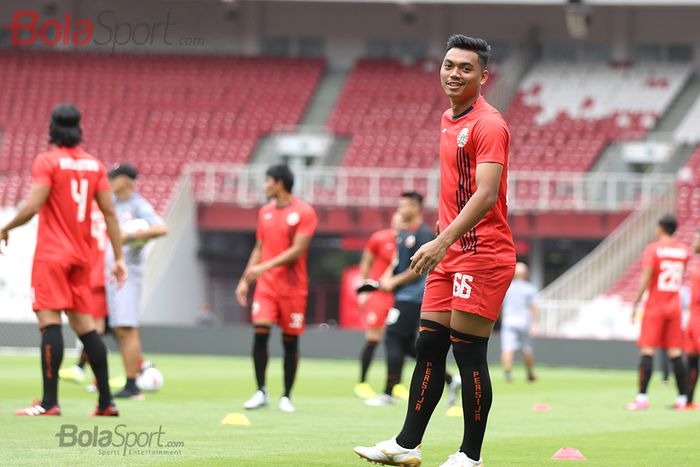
[[66, 179], [692, 332], [278, 265], [377, 257], [470, 264], [663, 264]]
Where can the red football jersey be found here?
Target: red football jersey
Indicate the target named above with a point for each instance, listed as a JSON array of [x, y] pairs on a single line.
[[74, 177], [478, 135], [99, 245], [276, 230], [667, 260], [382, 245]]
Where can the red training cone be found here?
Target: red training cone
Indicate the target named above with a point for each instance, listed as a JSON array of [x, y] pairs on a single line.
[[568, 454], [541, 407]]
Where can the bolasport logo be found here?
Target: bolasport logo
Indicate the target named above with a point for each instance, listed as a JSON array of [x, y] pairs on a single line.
[[28, 28]]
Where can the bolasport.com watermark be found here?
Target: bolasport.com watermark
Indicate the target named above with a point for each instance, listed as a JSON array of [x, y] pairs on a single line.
[[119, 441], [108, 30]]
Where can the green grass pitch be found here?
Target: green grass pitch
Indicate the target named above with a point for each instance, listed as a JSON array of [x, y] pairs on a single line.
[[587, 412]]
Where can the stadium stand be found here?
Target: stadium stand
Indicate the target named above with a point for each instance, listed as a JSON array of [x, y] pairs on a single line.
[[564, 114], [687, 131], [157, 112], [688, 212], [392, 112]]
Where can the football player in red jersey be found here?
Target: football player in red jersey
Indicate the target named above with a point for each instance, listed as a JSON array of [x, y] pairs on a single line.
[[692, 332], [277, 266], [469, 265], [66, 180], [663, 265], [377, 257]]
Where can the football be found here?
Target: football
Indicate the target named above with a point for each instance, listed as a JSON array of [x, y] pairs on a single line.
[[132, 226], [150, 380]]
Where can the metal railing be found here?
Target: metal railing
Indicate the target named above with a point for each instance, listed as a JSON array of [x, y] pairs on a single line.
[[598, 271], [377, 186]]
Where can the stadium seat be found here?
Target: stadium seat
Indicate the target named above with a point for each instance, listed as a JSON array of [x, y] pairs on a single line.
[[157, 112]]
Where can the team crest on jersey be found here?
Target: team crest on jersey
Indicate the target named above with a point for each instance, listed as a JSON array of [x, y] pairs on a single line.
[[410, 241], [463, 137], [293, 218]]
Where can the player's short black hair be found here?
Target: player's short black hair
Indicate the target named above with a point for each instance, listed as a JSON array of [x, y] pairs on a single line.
[[668, 224], [476, 45], [64, 126], [414, 196], [281, 172]]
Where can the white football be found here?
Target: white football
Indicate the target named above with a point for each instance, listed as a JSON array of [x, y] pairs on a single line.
[[150, 380], [132, 226]]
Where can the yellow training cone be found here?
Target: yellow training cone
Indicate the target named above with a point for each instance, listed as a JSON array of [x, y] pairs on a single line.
[[454, 411], [235, 419]]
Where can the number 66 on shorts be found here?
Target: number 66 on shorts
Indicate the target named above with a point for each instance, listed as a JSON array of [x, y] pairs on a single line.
[[480, 292]]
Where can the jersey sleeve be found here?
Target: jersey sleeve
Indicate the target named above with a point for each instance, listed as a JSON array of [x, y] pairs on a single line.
[[373, 244], [103, 181], [649, 258], [147, 213], [491, 141], [307, 223], [41, 171]]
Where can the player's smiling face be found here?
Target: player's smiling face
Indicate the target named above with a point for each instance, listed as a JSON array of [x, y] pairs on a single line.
[[461, 75]]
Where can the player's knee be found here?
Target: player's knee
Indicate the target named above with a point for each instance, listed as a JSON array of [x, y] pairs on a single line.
[[433, 340]]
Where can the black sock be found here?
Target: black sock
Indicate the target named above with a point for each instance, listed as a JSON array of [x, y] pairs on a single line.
[[448, 379], [665, 366], [645, 366], [260, 354], [394, 361], [291, 361], [366, 359], [51, 358], [97, 356], [679, 372], [83, 359], [427, 382], [470, 354], [131, 384], [693, 367]]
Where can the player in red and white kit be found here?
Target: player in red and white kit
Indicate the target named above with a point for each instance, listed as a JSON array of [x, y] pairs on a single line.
[[692, 331], [278, 265], [663, 264], [66, 180], [377, 257], [470, 264]]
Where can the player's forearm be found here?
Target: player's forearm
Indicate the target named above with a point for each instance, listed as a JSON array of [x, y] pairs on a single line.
[[476, 208], [114, 234], [152, 232], [288, 256], [253, 260], [24, 215], [365, 264], [405, 277]]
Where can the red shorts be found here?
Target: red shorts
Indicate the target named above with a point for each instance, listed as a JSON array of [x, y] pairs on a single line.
[[289, 313], [57, 286], [661, 330], [99, 303], [377, 308], [692, 338], [478, 292]]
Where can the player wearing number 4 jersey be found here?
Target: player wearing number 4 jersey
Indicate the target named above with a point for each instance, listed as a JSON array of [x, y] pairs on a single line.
[[278, 265], [470, 263], [663, 264], [66, 180]]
